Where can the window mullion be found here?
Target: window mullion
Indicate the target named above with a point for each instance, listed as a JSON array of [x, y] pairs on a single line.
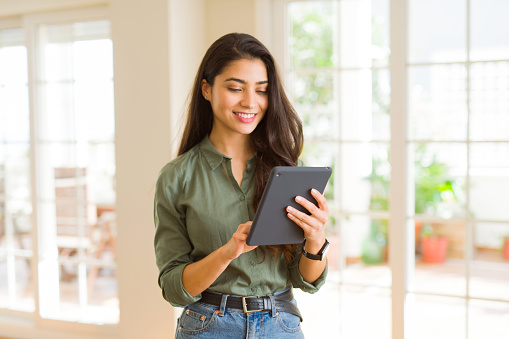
[[32, 84], [398, 238]]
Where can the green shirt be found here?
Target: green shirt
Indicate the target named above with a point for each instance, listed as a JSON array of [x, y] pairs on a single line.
[[198, 206]]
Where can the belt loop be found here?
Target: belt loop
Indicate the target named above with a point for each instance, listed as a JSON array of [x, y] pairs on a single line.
[[224, 298], [273, 310]]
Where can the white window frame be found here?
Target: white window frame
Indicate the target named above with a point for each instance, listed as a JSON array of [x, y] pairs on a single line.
[[32, 324], [401, 230]]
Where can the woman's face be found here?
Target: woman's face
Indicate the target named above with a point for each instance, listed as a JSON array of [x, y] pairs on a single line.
[[238, 97]]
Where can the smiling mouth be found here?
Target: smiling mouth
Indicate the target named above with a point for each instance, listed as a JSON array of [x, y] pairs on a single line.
[[245, 115]]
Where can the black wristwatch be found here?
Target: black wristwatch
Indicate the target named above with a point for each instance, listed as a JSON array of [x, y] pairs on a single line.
[[321, 253]]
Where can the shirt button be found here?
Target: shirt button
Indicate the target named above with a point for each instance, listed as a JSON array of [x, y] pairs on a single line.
[[242, 198], [252, 262], [253, 289]]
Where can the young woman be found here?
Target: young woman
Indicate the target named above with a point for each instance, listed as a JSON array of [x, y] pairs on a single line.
[[240, 125]]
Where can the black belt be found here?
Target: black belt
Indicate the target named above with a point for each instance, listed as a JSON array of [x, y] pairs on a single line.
[[254, 304]]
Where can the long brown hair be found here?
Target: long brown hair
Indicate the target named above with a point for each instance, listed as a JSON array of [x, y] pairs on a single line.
[[277, 139]]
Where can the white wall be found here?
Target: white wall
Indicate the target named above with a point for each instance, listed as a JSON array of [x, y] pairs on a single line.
[[140, 33]]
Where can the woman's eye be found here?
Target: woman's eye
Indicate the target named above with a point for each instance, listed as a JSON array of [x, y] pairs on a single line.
[[262, 92], [234, 89]]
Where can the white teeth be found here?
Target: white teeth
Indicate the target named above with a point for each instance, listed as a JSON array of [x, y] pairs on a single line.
[[245, 115]]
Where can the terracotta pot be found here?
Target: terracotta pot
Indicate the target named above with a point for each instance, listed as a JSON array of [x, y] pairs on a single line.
[[434, 249], [506, 249]]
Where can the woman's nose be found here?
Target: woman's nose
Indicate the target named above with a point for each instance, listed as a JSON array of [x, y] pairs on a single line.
[[248, 100]]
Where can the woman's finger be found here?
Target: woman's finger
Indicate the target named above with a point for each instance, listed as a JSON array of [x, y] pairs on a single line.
[[320, 199], [317, 218]]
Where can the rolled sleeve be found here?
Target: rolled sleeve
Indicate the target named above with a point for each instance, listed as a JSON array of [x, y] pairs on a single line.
[[299, 282], [171, 242], [173, 289]]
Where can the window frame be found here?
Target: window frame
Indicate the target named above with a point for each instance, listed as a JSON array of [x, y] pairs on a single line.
[[32, 322], [401, 213]]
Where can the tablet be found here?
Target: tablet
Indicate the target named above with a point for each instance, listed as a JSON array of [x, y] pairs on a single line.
[[271, 225]]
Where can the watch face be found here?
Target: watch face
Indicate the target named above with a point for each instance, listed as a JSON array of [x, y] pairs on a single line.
[[326, 248]]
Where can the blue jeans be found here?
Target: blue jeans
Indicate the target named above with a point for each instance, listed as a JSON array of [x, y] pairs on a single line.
[[200, 320]]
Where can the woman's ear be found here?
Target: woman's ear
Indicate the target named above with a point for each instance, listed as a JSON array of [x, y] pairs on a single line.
[[205, 89]]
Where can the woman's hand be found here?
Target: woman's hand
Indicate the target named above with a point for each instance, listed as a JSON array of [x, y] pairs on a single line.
[[199, 275], [313, 225], [237, 244], [314, 231]]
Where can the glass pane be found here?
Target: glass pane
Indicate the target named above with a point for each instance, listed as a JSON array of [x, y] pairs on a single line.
[[56, 119], [55, 160], [321, 324], [57, 62], [15, 283], [363, 33], [311, 34], [488, 319], [439, 265], [381, 91], [19, 215], [365, 250], [13, 65], [437, 31], [364, 105], [365, 312], [69, 296], [313, 95], [66, 219], [70, 184], [437, 103], [317, 153], [488, 28], [489, 272], [102, 294], [4, 292], [24, 287], [3, 227], [489, 107], [95, 119], [380, 51], [16, 171], [439, 174], [489, 182], [436, 317], [14, 119], [93, 60], [100, 160], [365, 176]]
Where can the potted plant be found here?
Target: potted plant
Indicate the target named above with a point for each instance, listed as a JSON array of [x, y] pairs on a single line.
[[433, 246], [434, 188], [505, 248]]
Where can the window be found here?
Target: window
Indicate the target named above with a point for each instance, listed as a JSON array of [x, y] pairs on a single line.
[[16, 247], [336, 63], [57, 169], [76, 171]]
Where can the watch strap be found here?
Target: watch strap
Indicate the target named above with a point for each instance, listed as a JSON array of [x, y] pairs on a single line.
[[319, 255]]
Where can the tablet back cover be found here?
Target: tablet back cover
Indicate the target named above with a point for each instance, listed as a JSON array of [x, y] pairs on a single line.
[[271, 226]]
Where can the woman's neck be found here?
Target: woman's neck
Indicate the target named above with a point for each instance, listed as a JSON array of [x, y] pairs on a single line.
[[232, 145]]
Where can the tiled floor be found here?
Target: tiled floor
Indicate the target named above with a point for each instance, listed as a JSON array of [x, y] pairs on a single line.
[[360, 308], [438, 307]]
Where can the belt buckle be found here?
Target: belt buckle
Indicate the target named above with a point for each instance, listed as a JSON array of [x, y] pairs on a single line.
[[244, 304]]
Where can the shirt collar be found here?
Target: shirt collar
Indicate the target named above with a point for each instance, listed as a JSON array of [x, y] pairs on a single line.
[[214, 158]]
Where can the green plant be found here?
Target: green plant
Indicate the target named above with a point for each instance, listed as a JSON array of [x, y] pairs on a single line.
[[433, 183]]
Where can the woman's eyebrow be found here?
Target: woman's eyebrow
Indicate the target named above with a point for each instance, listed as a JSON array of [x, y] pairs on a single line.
[[244, 82]]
